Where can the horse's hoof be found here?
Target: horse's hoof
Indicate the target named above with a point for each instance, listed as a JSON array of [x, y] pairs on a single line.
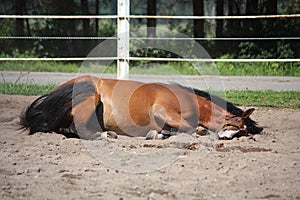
[[111, 134], [99, 136], [151, 135], [166, 134], [201, 131], [105, 134]]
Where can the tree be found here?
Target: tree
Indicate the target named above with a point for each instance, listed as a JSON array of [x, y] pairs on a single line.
[[19, 30], [251, 7], [271, 7], [96, 20], [151, 23], [85, 27], [85, 22], [251, 26], [286, 27], [198, 10], [220, 12], [20, 5], [220, 25], [232, 28], [64, 27]]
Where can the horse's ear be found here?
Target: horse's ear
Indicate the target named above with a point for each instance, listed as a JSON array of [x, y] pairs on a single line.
[[247, 113]]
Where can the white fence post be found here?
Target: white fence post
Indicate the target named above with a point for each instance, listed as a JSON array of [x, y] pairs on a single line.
[[123, 39]]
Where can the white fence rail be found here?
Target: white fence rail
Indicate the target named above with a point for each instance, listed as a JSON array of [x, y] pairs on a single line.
[[123, 38], [145, 17]]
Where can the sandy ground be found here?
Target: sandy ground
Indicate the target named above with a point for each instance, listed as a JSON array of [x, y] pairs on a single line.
[[50, 166]]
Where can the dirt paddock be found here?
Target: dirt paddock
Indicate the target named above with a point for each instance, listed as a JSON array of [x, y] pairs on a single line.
[[50, 166]]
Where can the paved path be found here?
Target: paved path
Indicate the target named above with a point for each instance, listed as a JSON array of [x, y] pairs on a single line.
[[200, 82]]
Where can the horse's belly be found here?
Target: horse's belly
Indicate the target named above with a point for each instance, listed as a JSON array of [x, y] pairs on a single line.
[[119, 120], [123, 125]]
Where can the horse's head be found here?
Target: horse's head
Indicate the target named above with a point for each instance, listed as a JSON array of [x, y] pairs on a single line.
[[236, 126]]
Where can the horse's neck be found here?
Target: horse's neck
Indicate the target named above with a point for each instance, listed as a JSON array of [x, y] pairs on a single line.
[[211, 115]]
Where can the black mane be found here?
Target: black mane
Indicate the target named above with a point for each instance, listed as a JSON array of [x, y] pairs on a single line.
[[230, 107]]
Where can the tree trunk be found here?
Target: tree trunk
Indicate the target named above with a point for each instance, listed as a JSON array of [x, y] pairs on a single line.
[[220, 28], [271, 28], [271, 7], [151, 23], [85, 22], [232, 29], [198, 10], [252, 7], [85, 27], [19, 30], [220, 12], [71, 47], [97, 20], [250, 27]]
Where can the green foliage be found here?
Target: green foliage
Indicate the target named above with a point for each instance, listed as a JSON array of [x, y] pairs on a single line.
[[107, 27], [258, 68], [261, 28], [278, 50]]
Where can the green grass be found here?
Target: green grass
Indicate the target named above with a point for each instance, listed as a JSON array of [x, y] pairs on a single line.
[[287, 99], [171, 68], [25, 89], [39, 66], [259, 69]]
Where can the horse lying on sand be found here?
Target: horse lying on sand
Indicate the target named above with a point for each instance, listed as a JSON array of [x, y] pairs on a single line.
[[88, 107]]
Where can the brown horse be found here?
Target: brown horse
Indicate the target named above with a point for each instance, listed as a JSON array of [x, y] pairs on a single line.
[[88, 106]]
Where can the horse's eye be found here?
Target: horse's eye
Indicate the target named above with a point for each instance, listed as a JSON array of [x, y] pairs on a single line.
[[236, 119]]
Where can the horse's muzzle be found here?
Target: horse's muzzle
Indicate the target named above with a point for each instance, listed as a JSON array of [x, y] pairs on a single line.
[[229, 131]]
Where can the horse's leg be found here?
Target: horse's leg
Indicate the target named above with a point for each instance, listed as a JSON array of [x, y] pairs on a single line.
[[82, 114], [163, 117], [170, 117]]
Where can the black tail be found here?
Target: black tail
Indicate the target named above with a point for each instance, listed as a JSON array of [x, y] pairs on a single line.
[[51, 112]]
